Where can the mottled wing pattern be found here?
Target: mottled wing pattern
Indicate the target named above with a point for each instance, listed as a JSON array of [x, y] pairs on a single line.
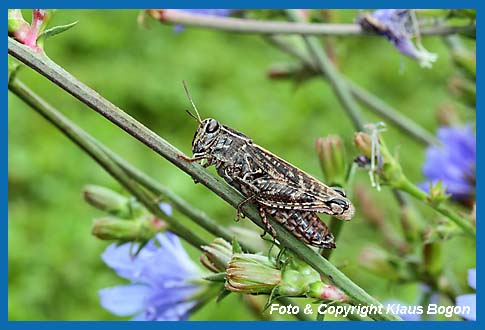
[[285, 186]]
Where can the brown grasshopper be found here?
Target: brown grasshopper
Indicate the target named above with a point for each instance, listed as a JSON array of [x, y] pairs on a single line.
[[280, 189]]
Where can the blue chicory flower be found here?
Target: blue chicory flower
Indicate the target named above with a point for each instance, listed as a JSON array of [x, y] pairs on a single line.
[[453, 162], [396, 25], [160, 276], [212, 12], [469, 300]]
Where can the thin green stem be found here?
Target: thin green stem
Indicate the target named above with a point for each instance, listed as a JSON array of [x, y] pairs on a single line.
[[341, 88], [373, 102], [78, 137], [392, 115], [328, 70], [199, 217], [62, 78], [184, 207], [416, 192], [265, 27]]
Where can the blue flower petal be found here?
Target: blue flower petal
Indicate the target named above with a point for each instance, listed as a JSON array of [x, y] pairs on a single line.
[[166, 208], [124, 300], [472, 278], [161, 274], [469, 300], [121, 259], [453, 162]]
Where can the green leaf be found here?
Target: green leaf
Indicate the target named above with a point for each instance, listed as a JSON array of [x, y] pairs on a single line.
[[219, 277], [223, 294], [55, 30], [236, 248]]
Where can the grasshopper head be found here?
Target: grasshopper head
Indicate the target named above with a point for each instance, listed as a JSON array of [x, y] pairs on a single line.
[[205, 136]]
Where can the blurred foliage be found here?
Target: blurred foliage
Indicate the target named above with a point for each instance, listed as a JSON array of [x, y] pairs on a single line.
[[55, 268]]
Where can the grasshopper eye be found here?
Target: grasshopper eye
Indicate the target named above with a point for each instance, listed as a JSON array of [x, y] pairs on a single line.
[[212, 126]]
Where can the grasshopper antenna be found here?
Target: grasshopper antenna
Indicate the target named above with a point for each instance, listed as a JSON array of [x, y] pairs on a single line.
[[193, 104]]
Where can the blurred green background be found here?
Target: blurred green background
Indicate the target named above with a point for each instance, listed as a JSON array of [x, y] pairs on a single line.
[[55, 268]]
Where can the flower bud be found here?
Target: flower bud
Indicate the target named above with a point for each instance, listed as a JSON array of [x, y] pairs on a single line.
[[465, 60], [324, 291], [112, 228], [378, 262], [432, 259], [216, 255], [251, 273], [383, 167], [251, 238], [296, 278], [437, 193], [333, 160], [442, 231], [446, 115], [17, 26], [363, 142], [410, 223], [109, 201], [464, 89]]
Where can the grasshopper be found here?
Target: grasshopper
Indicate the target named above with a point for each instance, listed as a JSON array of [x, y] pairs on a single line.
[[280, 189]]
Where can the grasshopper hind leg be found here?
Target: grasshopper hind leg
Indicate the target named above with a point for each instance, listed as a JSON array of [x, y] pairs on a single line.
[[268, 227]]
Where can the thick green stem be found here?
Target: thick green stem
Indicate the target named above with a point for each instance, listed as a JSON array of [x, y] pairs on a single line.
[[62, 78], [78, 137]]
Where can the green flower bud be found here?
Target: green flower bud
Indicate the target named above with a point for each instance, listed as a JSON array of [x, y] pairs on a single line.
[[142, 229], [442, 231], [464, 89], [384, 167], [251, 238], [466, 61], [333, 160], [251, 273], [296, 278], [411, 223], [379, 262], [437, 193], [17, 26], [111, 202], [432, 259], [216, 255], [324, 291]]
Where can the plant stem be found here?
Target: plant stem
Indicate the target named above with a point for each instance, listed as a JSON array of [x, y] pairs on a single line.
[[340, 86], [373, 102], [264, 27], [198, 216], [328, 70], [62, 78], [78, 137], [392, 115], [414, 191]]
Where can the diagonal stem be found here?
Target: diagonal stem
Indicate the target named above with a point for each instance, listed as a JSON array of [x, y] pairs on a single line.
[[326, 67], [373, 102], [62, 78], [78, 137]]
